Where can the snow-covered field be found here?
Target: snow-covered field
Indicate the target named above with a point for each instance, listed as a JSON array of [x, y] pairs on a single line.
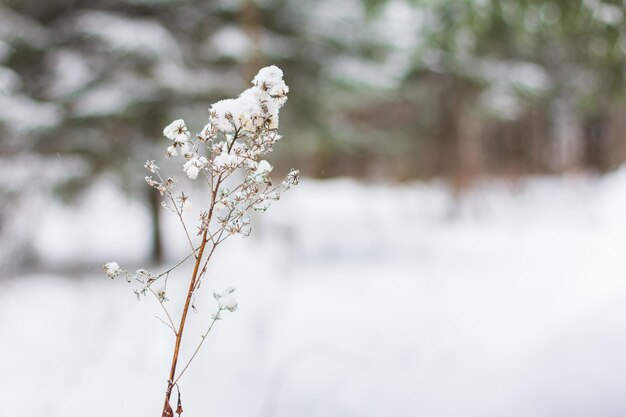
[[354, 300]]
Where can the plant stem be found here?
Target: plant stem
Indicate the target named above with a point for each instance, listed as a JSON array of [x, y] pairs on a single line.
[[204, 336], [167, 409]]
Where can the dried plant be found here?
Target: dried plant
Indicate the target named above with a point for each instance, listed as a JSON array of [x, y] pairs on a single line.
[[226, 154]]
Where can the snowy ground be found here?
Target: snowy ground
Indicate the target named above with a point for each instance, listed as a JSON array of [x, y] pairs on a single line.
[[354, 301]]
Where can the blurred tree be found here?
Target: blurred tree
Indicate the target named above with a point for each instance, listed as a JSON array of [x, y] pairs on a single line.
[[392, 88], [98, 80], [479, 72]]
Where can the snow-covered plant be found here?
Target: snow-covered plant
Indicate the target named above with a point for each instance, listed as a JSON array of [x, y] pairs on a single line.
[[227, 157]]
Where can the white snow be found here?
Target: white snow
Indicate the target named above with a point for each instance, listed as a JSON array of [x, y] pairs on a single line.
[[146, 37], [10, 81], [605, 13], [177, 131], [22, 114], [179, 77], [397, 25], [253, 106], [5, 50], [112, 269], [17, 26], [70, 71], [231, 41], [114, 96], [352, 300], [262, 170], [270, 79]]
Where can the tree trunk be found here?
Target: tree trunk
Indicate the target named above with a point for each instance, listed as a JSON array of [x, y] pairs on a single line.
[[251, 21], [154, 203]]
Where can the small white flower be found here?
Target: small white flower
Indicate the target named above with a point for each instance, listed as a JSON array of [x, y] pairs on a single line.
[[193, 166], [228, 302], [261, 172], [271, 80], [256, 105], [161, 294], [226, 161], [274, 119], [112, 269], [151, 166], [185, 203], [143, 274], [227, 291], [262, 203], [177, 131], [191, 170], [264, 168], [226, 299], [224, 115], [186, 149], [171, 151], [293, 178], [206, 133]]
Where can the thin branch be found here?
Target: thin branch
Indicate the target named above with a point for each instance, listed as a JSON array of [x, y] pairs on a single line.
[[235, 136], [167, 272], [204, 267], [216, 316], [180, 215], [166, 323], [164, 309], [214, 245], [209, 179]]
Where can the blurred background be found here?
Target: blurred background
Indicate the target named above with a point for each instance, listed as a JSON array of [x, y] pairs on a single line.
[[455, 246]]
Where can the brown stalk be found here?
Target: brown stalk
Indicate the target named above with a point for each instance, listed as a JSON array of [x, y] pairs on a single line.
[[167, 409]]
